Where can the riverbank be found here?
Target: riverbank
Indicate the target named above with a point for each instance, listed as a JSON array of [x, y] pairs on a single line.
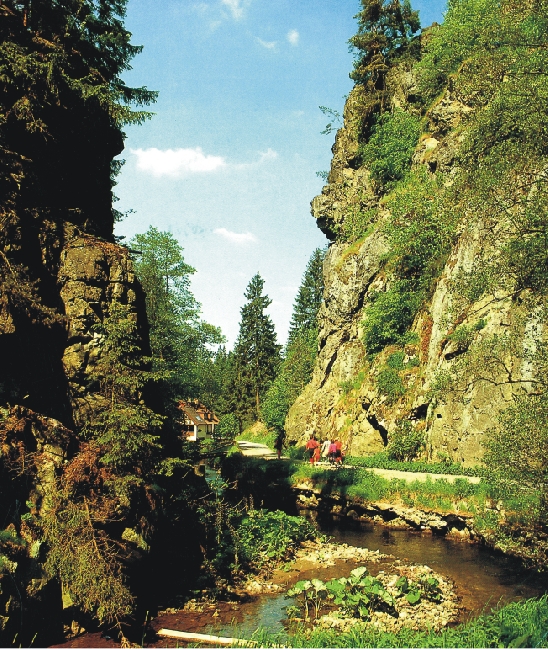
[[260, 601], [464, 507]]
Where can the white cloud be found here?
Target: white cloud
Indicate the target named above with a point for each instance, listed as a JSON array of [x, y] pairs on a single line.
[[235, 7], [270, 154], [270, 45], [236, 237], [174, 162], [293, 37]]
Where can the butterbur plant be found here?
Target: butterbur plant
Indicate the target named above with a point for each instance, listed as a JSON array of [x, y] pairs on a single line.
[[427, 587], [430, 588], [411, 591], [313, 594], [356, 595], [359, 593]]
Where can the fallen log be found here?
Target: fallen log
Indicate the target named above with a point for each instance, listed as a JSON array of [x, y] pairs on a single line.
[[216, 640]]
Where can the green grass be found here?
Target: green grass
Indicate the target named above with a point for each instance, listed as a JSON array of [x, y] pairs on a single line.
[[519, 624], [360, 483], [382, 461]]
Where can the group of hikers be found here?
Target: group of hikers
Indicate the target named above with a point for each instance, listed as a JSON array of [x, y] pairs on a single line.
[[330, 449]]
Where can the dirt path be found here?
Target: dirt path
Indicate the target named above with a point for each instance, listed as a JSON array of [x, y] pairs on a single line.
[[408, 476], [253, 449]]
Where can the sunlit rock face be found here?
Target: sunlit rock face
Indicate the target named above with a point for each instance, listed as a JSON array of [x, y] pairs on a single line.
[[343, 399], [93, 274]]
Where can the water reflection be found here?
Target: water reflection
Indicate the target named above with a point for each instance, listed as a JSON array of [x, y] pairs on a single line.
[[483, 576]]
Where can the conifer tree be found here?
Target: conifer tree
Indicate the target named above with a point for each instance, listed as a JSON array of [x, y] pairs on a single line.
[[122, 424], [256, 354], [385, 32], [300, 353], [309, 296]]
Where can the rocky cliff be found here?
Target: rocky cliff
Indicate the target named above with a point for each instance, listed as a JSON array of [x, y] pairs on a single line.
[[465, 354], [61, 274]]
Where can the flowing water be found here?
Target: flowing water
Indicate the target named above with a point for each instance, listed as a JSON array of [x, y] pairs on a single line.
[[483, 577]]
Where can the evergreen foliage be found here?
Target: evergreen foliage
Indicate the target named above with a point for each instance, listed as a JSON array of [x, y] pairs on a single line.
[[385, 34], [294, 374], [300, 354], [121, 423], [256, 355], [63, 102], [309, 296]]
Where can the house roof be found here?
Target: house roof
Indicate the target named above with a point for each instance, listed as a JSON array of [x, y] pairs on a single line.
[[197, 413]]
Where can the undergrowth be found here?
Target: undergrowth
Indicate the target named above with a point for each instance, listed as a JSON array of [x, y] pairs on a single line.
[[518, 624]]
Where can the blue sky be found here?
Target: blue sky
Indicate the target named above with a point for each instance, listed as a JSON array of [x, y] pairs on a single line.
[[228, 163]]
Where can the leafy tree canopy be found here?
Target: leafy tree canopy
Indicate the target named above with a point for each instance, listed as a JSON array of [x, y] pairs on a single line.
[[182, 344]]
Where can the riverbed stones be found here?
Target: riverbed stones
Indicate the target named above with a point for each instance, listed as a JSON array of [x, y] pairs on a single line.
[[393, 515], [426, 614], [328, 553]]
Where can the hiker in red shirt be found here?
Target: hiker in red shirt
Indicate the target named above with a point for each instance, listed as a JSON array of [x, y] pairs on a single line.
[[311, 447], [338, 451]]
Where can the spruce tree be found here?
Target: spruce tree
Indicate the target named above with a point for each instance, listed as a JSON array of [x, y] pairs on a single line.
[[385, 33], [256, 354], [309, 296], [300, 353]]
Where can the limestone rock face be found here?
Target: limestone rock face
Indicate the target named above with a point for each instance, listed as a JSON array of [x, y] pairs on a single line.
[[92, 275], [343, 399]]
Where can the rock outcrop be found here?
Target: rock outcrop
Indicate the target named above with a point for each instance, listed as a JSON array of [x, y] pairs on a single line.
[[343, 399]]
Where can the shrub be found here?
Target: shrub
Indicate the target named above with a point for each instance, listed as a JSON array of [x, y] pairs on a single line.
[[395, 360], [517, 452], [263, 536], [390, 148], [390, 383], [464, 335], [389, 316], [406, 442]]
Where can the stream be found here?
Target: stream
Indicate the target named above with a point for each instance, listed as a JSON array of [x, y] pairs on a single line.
[[483, 577]]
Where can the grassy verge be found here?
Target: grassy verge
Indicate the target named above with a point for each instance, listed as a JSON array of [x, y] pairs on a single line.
[[382, 461], [519, 624], [360, 483]]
